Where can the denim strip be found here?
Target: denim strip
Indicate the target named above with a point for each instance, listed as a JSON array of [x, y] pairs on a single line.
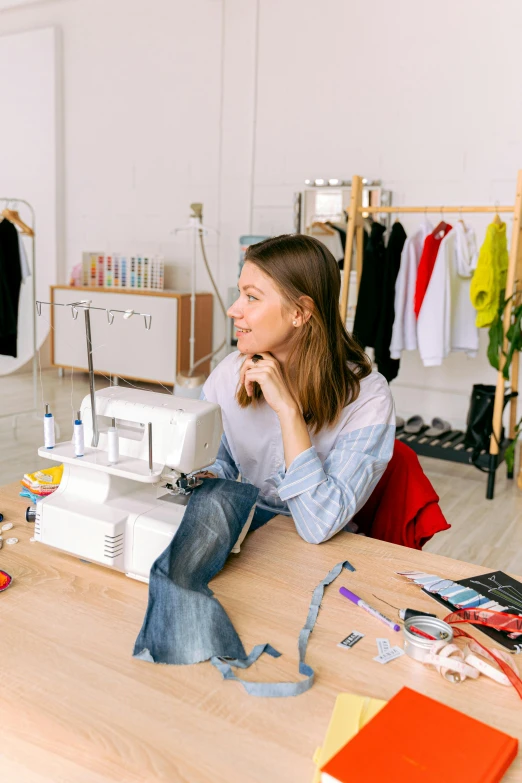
[[282, 689]]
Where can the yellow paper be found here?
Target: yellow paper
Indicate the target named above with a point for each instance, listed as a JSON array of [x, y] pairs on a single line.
[[350, 714]]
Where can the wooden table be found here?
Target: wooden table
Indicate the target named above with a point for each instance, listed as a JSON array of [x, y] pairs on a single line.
[[77, 708]]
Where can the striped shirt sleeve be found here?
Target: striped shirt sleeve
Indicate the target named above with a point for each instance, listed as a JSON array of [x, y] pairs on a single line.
[[322, 498], [224, 467]]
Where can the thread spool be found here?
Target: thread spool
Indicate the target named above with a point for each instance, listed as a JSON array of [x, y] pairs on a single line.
[[113, 444], [79, 440], [49, 439]]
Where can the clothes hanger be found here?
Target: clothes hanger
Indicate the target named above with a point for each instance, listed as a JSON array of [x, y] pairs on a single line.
[[13, 217], [336, 224], [460, 218], [441, 227], [497, 220], [323, 228]]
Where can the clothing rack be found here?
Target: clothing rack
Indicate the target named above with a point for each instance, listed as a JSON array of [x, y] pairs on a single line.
[[356, 212], [27, 230]]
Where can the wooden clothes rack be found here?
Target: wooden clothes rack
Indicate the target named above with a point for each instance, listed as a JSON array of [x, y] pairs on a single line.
[[355, 234], [26, 230]]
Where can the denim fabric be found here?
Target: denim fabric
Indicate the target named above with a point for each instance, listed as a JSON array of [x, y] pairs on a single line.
[[184, 623], [261, 517], [285, 688]]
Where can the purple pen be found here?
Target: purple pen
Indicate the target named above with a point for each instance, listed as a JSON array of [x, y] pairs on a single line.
[[359, 602]]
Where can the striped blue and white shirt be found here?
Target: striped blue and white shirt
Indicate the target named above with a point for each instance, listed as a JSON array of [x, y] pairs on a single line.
[[325, 485]]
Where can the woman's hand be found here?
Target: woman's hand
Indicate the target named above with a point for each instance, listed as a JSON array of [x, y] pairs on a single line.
[[265, 370]]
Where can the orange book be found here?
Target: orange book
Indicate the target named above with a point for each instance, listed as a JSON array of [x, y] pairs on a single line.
[[415, 739]]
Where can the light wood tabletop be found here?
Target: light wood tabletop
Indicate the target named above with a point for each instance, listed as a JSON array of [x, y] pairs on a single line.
[[77, 708]]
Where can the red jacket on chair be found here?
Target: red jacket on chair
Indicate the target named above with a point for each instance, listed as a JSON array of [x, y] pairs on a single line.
[[403, 508]]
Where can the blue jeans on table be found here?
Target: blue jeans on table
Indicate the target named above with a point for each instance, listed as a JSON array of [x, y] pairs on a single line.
[[184, 623]]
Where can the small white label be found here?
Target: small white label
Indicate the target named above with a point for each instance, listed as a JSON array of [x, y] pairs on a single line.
[[393, 652], [383, 646], [350, 640]]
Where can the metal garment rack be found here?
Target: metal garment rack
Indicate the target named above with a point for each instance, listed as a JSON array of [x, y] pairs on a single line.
[[356, 211], [35, 347], [85, 305]]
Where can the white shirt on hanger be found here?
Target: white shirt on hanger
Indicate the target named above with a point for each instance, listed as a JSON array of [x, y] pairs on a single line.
[[332, 242], [446, 320], [404, 333], [24, 264]]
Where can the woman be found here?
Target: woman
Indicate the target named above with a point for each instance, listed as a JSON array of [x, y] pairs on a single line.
[[305, 420]]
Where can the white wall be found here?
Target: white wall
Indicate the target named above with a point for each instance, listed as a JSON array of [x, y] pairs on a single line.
[[235, 102], [425, 96], [29, 140]]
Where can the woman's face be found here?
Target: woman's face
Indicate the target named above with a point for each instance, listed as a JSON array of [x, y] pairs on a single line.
[[262, 322]]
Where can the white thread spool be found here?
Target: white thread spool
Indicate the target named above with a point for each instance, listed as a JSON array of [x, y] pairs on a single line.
[[49, 439], [113, 444], [79, 441]]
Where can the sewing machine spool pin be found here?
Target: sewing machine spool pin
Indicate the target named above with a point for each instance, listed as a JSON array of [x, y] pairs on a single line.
[[95, 433]]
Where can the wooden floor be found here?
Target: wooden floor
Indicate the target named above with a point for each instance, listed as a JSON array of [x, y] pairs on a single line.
[[486, 532]]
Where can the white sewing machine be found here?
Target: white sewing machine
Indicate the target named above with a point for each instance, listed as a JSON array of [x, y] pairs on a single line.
[[124, 515]]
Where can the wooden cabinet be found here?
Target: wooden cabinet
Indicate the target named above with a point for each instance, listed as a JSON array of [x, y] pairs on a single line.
[[126, 348]]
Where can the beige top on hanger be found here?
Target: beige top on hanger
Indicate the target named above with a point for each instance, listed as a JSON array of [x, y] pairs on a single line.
[[13, 217]]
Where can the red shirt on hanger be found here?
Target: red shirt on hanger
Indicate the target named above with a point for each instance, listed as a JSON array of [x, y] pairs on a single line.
[[426, 264]]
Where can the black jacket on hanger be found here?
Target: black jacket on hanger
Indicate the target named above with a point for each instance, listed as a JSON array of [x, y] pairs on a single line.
[[386, 365], [370, 288], [342, 237], [10, 281]]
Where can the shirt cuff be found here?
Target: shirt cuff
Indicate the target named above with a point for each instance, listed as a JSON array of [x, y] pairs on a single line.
[[217, 469], [305, 473]]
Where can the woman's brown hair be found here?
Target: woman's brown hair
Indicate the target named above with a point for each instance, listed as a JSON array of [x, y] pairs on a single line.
[[325, 365]]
